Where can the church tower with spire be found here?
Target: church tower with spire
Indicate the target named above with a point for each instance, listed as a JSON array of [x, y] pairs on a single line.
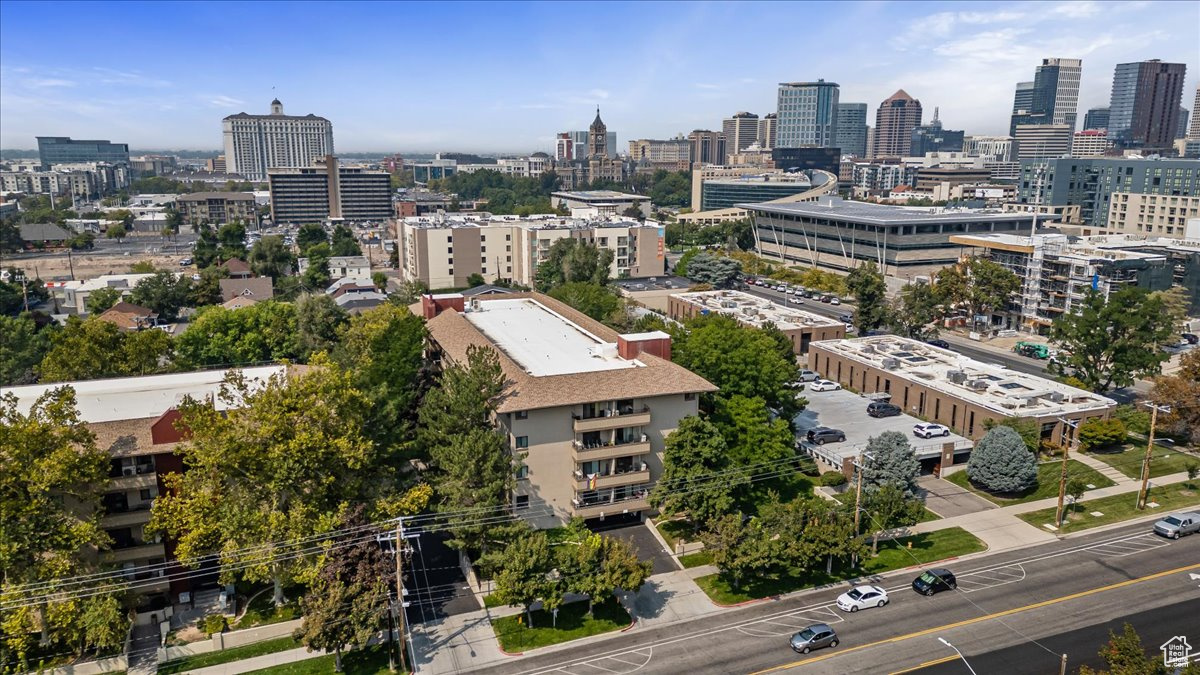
[[597, 138]]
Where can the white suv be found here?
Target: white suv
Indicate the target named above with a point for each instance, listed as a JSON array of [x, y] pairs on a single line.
[[925, 430]]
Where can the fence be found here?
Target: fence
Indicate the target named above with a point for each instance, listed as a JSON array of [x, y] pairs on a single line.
[[237, 638]]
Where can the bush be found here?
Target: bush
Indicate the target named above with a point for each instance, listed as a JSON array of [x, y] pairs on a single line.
[[1101, 433], [215, 623], [1002, 463], [1136, 419], [833, 479]]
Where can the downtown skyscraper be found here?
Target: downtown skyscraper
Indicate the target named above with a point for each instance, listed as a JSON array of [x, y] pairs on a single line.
[[807, 114], [894, 123], [1052, 97], [1145, 103], [851, 136]]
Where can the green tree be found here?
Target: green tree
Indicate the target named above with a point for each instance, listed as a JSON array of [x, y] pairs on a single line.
[[83, 349], [685, 260], [1029, 429], [280, 462], [146, 352], [216, 336], [343, 243], [594, 300], [1125, 655], [888, 507], [232, 240], [319, 319], [207, 246], [475, 279], [464, 398], [524, 577], [381, 281], [310, 235], [870, 296], [165, 293], [603, 565], [50, 489], [207, 290], [737, 359], [753, 435], [15, 294], [915, 311], [890, 460], [571, 260], [22, 349], [738, 549], [316, 276], [270, 257], [1000, 462], [717, 271], [1184, 385], [977, 284], [142, 267], [103, 298], [694, 453], [1101, 433], [1112, 343], [117, 232]]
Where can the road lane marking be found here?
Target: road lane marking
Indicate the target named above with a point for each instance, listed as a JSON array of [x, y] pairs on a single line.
[[927, 664], [987, 617]]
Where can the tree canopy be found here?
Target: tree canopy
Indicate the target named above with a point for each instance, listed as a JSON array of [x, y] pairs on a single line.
[[869, 289], [594, 300], [1000, 462], [738, 359], [977, 284], [571, 260], [718, 271], [90, 348], [695, 452], [889, 460], [216, 336]]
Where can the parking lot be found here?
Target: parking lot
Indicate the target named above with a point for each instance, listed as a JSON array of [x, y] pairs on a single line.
[[847, 412]]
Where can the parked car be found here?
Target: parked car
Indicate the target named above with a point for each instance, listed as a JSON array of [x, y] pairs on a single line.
[[1191, 338], [1177, 525], [835, 300], [935, 580], [814, 637], [826, 298], [938, 343], [883, 409], [185, 262], [807, 376], [846, 318], [862, 597], [823, 435], [824, 385], [929, 430]]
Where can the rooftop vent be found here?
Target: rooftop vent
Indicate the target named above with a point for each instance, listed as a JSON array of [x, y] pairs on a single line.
[[978, 385], [1056, 396], [891, 364], [958, 376]]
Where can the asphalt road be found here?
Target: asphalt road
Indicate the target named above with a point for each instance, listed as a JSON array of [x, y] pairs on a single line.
[[1015, 600], [132, 245]]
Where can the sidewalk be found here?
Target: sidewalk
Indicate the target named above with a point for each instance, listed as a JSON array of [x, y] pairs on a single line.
[[258, 662], [1103, 468]]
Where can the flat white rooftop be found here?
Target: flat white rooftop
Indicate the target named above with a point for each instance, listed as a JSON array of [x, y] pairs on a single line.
[[1007, 392], [131, 398], [542, 341], [755, 311]]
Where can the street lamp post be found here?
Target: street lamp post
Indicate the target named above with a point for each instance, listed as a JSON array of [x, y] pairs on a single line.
[[960, 654]]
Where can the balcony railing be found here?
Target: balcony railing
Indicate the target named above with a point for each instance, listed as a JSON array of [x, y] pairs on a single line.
[[612, 419], [127, 518], [583, 509], [136, 552], [636, 476], [134, 482], [591, 452]]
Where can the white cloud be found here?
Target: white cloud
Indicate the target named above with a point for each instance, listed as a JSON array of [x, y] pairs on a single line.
[[1077, 10], [47, 82], [223, 101], [707, 85]]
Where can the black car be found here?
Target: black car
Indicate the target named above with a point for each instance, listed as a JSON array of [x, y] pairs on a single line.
[[938, 343], [1191, 338], [823, 435], [935, 581], [883, 409]]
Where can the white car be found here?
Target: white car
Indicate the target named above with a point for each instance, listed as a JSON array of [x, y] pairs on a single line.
[[862, 597], [928, 430], [824, 385], [835, 300], [807, 376]]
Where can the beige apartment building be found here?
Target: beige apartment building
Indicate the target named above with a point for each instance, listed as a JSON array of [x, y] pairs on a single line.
[[217, 208], [586, 410], [444, 251], [938, 385], [801, 327], [1159, 215]]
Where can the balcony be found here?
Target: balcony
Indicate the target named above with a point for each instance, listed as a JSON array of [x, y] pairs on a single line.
[[613, 420], [135, 553], [582, 510], [612, 480], [583, 453], [128, 518], [134, 482]]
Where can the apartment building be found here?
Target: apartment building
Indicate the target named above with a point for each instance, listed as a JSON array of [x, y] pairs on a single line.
[[327, 191], [1159, 215], [443, 251], [133, 418], [217, 208], [801, 327], [586, 410], [255, 144], [1090, 143], [948, 388]]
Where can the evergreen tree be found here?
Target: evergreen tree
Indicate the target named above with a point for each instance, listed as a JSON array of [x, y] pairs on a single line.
[[1000, 462], [890, 460]]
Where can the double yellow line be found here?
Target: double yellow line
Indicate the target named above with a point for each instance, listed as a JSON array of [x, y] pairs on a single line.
[[978, 619]]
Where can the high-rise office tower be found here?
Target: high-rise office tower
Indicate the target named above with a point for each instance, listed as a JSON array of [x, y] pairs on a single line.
[[894, 123], [62, 150], [708, 147], [807, 114], [933, 138], [768, 127], [1023, 99], [1096, 118], [1182, 127], [741, 131], [1144, 109], [1052, 97], [256, 143], [1194, 126], [851, 135]]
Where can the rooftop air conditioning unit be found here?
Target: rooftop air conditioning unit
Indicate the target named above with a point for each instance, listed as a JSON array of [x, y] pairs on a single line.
[[958, 376], [128, 471], [891, 364], [978, 385], [1056, 396], [476, 306]]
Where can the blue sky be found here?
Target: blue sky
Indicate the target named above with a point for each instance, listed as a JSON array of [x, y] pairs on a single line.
[[504, 77]]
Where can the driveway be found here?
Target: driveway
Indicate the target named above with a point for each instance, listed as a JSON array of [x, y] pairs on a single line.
[[645, 543], [434, 580], [948, 500]]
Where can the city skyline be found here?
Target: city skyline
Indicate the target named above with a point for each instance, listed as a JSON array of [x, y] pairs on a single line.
[[469, 88]]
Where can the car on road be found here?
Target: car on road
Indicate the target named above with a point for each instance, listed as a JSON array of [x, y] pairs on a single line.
[[825, 298], [824, 385], [1177, 525], [1032, 350], [846, 318], [938, 343], [815, 636], [883, 409], [862, 597], [835, 300], [185, 262], [929, 430], [1191, 338], [935, 580], [807, 376], [823, 435]]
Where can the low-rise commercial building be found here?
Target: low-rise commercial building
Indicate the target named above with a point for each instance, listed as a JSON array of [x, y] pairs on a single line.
[[838, 234], [814, 184], [217, 208], [801, 327], [1090, 143], [605, 202], [586, 410], [723, 193], [963, 394]]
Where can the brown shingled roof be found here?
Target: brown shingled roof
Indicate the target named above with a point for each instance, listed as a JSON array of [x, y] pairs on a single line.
[[453, 333]]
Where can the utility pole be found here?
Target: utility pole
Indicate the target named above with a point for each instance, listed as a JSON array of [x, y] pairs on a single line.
[[1062, 479], [1062, 669], [400, 587], [858, 496], [1154, 410]]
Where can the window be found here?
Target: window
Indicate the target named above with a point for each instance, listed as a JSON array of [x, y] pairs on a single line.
[[522, 501], [522, 442], [450, 250], [145, 495], [522, 472], [521, 414], [689, 396]]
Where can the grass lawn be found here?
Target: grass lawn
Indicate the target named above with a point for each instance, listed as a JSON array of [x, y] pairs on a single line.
[[491, 602], [847, 498], [675, 530], [573, 623], [697, 559], [1047, 485], [894, 554], [262, 611], [1118, 507], [369, 661], [228, 655], [1128, 459]]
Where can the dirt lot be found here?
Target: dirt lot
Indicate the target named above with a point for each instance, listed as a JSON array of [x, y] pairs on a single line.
[[87, 265]]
